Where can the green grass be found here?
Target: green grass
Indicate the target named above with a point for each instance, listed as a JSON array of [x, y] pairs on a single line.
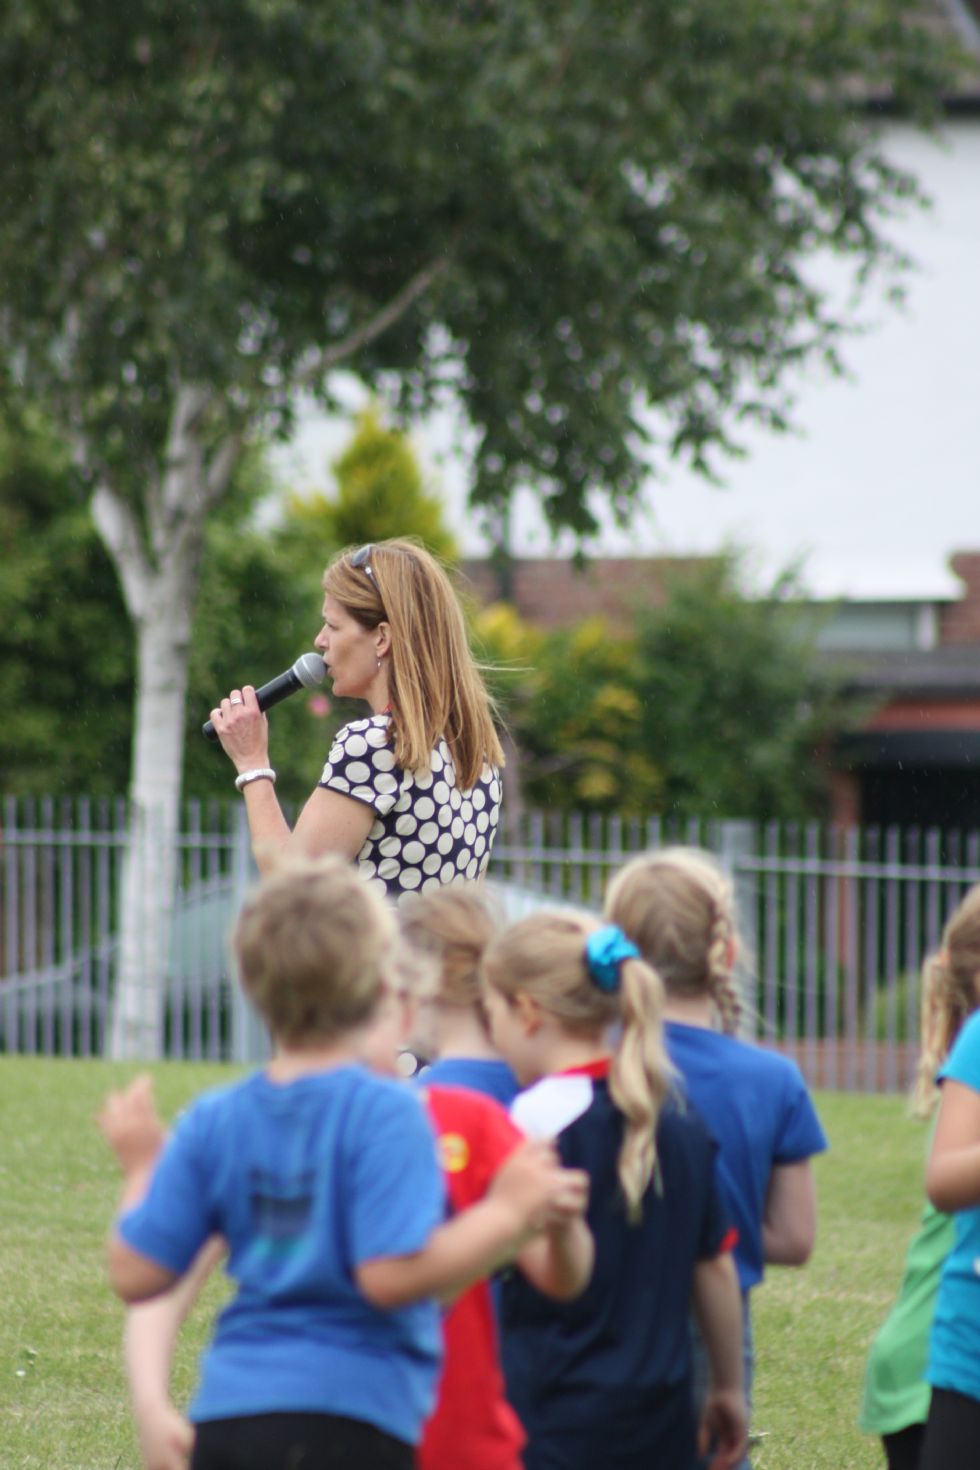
[[62, 1397]]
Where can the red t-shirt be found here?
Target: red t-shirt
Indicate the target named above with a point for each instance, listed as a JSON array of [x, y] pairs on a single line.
[[472, 1424]]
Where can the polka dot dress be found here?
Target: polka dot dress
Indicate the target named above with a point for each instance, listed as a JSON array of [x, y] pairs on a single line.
[[427, 832]]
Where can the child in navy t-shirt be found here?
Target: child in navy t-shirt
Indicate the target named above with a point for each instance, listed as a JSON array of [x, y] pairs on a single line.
[[605, 1380], [323, 1180]]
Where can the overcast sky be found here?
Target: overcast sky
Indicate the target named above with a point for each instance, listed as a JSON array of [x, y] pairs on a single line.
[[882, 480]]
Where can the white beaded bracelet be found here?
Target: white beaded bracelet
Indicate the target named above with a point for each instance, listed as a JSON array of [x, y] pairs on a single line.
[[261, 773]]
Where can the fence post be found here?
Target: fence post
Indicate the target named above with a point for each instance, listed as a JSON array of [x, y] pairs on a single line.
[[249, 1039], [736, 850]]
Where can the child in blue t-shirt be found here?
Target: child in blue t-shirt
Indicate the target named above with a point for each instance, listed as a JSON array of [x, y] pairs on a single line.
[[678, 907], [323, 1180], [604, 1380]]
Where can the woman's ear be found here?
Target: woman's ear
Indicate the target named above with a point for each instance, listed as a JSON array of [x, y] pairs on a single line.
[[382, 640]]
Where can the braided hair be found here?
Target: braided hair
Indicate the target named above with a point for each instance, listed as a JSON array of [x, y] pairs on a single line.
[[678, 907]]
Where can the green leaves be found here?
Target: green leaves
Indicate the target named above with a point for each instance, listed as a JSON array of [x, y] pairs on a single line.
[[624, 195]]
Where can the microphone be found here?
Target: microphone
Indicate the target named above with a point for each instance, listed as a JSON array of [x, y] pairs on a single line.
[[308, 671]]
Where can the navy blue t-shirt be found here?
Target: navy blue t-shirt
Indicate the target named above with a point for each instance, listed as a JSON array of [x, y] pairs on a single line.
[[609, 1373]]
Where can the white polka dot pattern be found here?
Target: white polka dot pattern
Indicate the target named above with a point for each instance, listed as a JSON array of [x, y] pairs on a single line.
[[427, 831]]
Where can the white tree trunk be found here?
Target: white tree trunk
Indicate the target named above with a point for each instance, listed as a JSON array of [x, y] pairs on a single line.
[[157, 558], [146, 899]]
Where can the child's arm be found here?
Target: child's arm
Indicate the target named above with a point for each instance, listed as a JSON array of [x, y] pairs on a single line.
[[953, 1170], [723, 1431], [131, 1126], [789, 1221], [149, 1340], [559, 1262], [475, 1243]]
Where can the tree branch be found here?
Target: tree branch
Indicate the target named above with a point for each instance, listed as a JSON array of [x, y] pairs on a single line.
[[191, 402], [118, 527], [222, 464], [399, 304]]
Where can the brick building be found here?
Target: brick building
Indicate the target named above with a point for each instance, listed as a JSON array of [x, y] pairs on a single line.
[[915, 760]]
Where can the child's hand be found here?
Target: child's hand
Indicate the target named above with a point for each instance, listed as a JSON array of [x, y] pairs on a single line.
[[571, 1197], [131, 1126], [536, 1187], [724, 1429], [166, 1438]]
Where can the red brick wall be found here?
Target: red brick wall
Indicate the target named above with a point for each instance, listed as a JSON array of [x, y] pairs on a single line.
[[961, 620], [555, 593]]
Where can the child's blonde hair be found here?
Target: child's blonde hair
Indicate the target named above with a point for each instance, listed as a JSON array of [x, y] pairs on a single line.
[[454, 924], [949, 995], [434, 683], [678, 907], [544, 956], [314, 946]]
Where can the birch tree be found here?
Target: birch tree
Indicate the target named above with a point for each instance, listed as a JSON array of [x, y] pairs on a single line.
[[564, 214]]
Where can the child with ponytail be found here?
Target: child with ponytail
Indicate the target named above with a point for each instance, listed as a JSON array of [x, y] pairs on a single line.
[[895, 1403], [678, 907], [605, 1379]]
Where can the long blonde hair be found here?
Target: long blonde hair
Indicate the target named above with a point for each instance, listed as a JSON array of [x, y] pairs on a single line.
[[434, 683], [950, 993], [544, 956], [679, 909]]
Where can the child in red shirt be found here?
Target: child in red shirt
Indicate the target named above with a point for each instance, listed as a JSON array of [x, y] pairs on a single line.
[[474, 1136]]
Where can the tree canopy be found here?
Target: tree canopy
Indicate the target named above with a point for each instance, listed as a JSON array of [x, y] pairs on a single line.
[[562, 212]]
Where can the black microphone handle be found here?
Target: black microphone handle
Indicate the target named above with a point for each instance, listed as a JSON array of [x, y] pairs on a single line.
[[277, 689]]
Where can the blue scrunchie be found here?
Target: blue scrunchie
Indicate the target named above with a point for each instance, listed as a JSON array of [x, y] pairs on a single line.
[[605, 951]]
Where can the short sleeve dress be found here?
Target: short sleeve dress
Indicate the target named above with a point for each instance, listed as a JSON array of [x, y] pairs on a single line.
[[427, 831]]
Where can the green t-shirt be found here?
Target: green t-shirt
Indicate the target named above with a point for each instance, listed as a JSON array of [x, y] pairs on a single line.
[[896, 1393]]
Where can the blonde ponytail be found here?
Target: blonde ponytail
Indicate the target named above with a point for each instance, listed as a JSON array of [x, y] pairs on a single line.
[[640, 1079]]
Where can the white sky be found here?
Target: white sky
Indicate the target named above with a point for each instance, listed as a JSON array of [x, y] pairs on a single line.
[[881, 481]]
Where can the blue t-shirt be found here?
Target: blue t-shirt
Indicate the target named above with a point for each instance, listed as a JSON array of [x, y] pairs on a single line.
[[609, 1372], [305, 1181], [954, 1347], [757, 1108], [477, 1074]]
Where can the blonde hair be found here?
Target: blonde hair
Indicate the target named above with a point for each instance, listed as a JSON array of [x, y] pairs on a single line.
[[314, 946], [679, 909], [949, 995], [455, 924], [434, 683], [544, 956]]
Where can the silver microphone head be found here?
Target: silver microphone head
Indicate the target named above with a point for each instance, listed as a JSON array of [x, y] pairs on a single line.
[[310, 670]]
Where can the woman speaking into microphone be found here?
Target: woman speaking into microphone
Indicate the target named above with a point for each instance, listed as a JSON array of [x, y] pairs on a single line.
[[411, 793]]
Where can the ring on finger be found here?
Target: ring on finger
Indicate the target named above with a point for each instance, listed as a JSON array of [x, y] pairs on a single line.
[[236, 701]]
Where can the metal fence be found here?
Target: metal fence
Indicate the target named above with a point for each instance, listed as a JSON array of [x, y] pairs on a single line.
[[835, 925]]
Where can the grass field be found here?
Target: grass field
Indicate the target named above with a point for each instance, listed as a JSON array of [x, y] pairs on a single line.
[[62, 1399]]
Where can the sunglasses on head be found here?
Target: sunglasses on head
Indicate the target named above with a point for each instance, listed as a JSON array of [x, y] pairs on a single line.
[[361, 559]]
